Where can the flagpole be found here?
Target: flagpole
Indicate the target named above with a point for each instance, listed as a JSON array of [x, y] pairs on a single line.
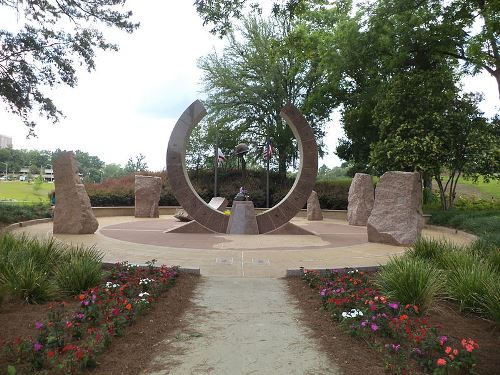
[[216, 160], [267, 174]]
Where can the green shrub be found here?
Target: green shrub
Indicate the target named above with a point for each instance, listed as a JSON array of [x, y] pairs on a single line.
[[431, 250], [28, 282], [489, 301], [3, 292], [13, 212], [467, 275], [80, 269], [411, 280]]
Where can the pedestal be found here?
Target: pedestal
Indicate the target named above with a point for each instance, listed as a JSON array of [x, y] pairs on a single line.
[[242, 219]]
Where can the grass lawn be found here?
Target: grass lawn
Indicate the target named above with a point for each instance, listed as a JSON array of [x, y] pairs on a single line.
[[23, 191], [487, 189]]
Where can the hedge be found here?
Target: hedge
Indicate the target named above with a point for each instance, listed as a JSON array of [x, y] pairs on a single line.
[[120, 192]]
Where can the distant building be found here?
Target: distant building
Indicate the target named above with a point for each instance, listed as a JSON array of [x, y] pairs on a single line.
[[5, 142]]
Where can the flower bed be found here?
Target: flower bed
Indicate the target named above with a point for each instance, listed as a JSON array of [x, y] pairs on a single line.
[[68, 342], [402, 332]]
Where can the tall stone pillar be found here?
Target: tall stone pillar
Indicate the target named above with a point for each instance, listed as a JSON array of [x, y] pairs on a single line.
[[147, 196], [396, 217], [361, 197], [73, 212]]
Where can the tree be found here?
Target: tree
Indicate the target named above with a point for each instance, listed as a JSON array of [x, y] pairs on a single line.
[[255, 77], [139, 165], [474, 28], [112, 171], [57, 36], [89, 166]]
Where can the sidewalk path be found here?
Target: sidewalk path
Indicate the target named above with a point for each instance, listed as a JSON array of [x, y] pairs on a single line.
[[241, 326]]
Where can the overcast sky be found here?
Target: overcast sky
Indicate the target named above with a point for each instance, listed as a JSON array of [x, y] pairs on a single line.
[[130, 104]]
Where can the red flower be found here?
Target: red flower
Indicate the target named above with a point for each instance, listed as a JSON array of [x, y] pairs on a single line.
[[447, 350], [128, 307], [51, 354], [441, 362]]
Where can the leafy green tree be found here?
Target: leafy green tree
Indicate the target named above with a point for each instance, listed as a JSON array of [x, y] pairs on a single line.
[[89, 166], [255, 77], [137, 165], [112, 171], [57, 36]]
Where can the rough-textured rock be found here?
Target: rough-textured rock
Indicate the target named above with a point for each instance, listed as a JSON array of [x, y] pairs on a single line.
[[72, 213], [147, 196], [242, 219], [396, 217], [361, 198], [182, 215], [313, 208]]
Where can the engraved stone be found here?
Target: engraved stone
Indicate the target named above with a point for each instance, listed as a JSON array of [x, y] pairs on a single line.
[[361, 198], [147, 196], [396, 217], [73, 212]]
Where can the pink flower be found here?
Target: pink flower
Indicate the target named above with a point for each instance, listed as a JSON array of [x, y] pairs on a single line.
[[38, 325], [442, 340], [37, 346], [441, 362], [393, 305], [374, 327]]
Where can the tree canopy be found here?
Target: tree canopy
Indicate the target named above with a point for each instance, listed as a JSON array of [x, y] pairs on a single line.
[[257, 74], [56, 37]]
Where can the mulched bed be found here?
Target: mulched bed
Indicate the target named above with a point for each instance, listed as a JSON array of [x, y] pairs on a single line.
[[128, 354], [355, 357]]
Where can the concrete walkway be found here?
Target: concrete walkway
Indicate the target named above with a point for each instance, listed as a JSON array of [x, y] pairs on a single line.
[[242, 326]]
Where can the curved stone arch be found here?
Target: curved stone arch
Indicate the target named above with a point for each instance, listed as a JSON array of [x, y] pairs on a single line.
[[216, 221]]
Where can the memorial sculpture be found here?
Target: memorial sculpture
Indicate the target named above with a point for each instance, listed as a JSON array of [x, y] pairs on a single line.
[[396, 217], [147, 196], [73, 212], [361, 198], [215, 221]]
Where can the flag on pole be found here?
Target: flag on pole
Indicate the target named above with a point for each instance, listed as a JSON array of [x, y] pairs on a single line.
[[220, 155], [268, 150]]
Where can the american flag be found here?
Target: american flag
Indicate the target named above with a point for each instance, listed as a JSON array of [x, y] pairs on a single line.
[[268, 150], [220, 155]]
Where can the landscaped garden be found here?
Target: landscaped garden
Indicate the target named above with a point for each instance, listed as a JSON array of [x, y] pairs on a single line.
[[435, 309], [60, 310]]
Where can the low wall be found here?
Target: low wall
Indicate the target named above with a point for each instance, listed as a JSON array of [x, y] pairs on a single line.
[[170, 210]]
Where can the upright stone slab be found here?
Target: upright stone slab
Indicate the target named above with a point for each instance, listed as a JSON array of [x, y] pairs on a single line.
[[147, 196], [313, 208], [72, 213], [242, 219], [361, 198], [396, 217]]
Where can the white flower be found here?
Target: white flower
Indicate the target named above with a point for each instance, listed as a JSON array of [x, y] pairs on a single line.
[[145, 281], [142, 294], [110, 285], [352, 314]]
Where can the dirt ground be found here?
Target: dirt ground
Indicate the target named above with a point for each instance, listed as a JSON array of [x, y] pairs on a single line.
[[128, 354], [357, 358]]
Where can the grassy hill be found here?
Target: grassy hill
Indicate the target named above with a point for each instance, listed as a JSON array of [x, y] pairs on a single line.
[[20, 191]]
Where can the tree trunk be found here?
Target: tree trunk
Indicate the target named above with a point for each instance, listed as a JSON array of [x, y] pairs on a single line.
[[282, 163], [427, 182], [442, 193]]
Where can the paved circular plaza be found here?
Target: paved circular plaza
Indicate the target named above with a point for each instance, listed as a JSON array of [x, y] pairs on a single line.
[[334, 244]]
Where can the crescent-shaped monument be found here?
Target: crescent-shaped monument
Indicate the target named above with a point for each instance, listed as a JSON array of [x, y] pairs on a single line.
[[216, 221]]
